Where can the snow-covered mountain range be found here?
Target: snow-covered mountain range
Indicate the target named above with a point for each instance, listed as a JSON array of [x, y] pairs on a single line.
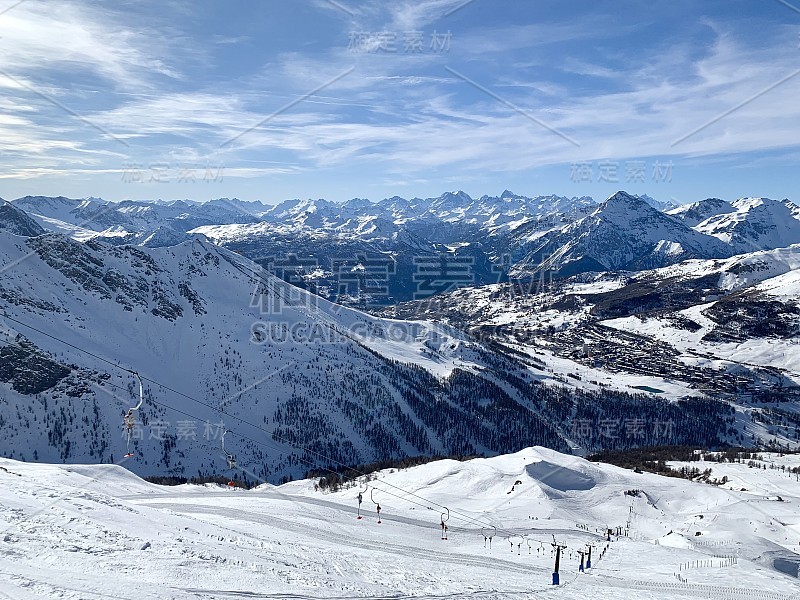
[[218, 339], [130, 221], [354, 216], [624, 233], [206, 322], [496, 237], [682, 320]]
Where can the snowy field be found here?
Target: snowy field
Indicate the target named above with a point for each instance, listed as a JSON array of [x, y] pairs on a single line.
[[101, 532]]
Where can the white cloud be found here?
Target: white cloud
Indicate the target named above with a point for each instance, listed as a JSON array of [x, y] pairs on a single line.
[[413, 15], [59, 37]]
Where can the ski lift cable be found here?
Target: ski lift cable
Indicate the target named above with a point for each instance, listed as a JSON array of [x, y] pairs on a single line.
[[273, 283], [482, 522], [258, 442], [270, 446], [219, 410], [456, 514]]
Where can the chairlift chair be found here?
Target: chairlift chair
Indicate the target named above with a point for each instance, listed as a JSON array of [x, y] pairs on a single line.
[[488, 534], [129, 420], [445, 518]]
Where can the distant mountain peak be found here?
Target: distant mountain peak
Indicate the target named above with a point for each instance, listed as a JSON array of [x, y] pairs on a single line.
[[625, 201], [697, 212], [623, 233], [663, 206]]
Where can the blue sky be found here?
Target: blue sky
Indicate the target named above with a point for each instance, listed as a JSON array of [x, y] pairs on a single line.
[[339, 99]]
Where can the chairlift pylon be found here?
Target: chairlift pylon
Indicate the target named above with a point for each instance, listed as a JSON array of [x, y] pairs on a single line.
[[488, 534], [377, 506], [231, 460], [361, 499]]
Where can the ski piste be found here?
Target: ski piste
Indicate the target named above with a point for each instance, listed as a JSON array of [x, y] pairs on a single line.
[[292, 540]]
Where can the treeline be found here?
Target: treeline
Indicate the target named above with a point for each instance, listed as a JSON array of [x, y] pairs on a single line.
[[392, 411], [172, 480], [640, 457], [654, 460], [338, 477]]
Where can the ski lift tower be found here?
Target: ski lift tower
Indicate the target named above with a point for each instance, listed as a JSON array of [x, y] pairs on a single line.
[[558, 548], [589, 558], [582, 553]]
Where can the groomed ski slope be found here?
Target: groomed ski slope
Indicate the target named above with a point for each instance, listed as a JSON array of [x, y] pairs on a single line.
[[101, 532]]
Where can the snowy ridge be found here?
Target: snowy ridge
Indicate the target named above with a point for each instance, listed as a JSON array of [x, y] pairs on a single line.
[[755, 224], [14, 220], [697, 212], [737, 272], [499, 236], [87, 218], [623, 233], [486, 211], [356, 216]]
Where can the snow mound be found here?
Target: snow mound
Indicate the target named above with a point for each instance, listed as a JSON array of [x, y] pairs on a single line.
[[674, 540]]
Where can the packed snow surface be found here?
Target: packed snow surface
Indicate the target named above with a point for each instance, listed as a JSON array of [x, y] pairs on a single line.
[[101, 532]]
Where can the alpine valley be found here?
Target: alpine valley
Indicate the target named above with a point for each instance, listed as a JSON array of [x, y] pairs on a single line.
[[347, 333]]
